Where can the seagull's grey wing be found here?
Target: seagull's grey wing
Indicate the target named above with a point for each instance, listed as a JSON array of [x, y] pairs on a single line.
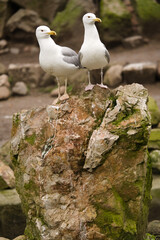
[[107, 55], [70, 56], [80, 56]]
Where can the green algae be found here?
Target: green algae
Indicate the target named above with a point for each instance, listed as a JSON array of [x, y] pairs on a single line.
[[67, 17]]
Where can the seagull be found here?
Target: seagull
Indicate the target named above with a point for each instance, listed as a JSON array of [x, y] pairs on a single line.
[[93, 53], [54, 59]]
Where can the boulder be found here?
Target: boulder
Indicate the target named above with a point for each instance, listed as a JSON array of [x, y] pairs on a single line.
[[5, 93], [154, 111], [155, 158], [113, 76], [154, 227], [22, 25], [7, 179], [47, 10], [144, 72], [30, 74], [3, 15], [81, 166], [20, 89], [2, 238], [154, 140], [134, 41], [12, 220]]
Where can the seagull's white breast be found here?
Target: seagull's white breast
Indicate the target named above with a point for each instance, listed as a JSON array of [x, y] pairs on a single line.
[[93, 55]]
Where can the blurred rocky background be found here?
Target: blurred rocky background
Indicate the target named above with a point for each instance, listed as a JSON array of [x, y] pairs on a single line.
[[130, 30]]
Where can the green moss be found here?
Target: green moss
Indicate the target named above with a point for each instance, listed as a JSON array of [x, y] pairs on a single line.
[[15, 124], [67, 17], [31, 139], [148, 10], [115, 17], [116, 223], [154, 140]]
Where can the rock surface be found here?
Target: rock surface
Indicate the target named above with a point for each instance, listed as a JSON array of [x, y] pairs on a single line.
[[81, 166], [154, 111], [134, 41], [154, 140]]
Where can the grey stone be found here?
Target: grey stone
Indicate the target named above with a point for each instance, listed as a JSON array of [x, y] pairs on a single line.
[[154, 111], [133, 42], [154, 139], [113, 76], [144, 72], [5, 93], [22, 237], [5, 153], [14, 50], [20, 88], [2, 238], [54, 92]]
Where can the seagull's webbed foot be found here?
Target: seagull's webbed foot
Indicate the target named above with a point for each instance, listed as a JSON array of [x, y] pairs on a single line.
[[89, 87], [65, 96], [102, 85]]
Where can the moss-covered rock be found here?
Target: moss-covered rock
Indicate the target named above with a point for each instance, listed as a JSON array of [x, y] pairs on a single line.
[[149, 15], [82, 167], [155, 158], [154, 140], [154, 111], [116, 20]]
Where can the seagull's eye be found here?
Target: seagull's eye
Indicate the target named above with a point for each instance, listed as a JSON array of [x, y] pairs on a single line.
[[41, 30], [88, 16]]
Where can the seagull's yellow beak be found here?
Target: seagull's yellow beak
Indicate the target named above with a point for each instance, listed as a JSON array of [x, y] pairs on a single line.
[[52, 33], [97, 20]]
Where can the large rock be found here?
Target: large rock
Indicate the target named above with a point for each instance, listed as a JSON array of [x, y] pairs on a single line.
[[29, 73], [81, 166], [4, 93], [144, 72], [22, 25], [134, 41], [46, 9], [5, 153], [12, 220], [155, 158]]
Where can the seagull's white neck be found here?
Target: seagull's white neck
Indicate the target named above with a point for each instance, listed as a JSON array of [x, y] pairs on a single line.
[[91, 33], [45, 43]]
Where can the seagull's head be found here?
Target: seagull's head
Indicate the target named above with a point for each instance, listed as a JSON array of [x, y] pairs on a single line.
[[44, 32], [90, 18]]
